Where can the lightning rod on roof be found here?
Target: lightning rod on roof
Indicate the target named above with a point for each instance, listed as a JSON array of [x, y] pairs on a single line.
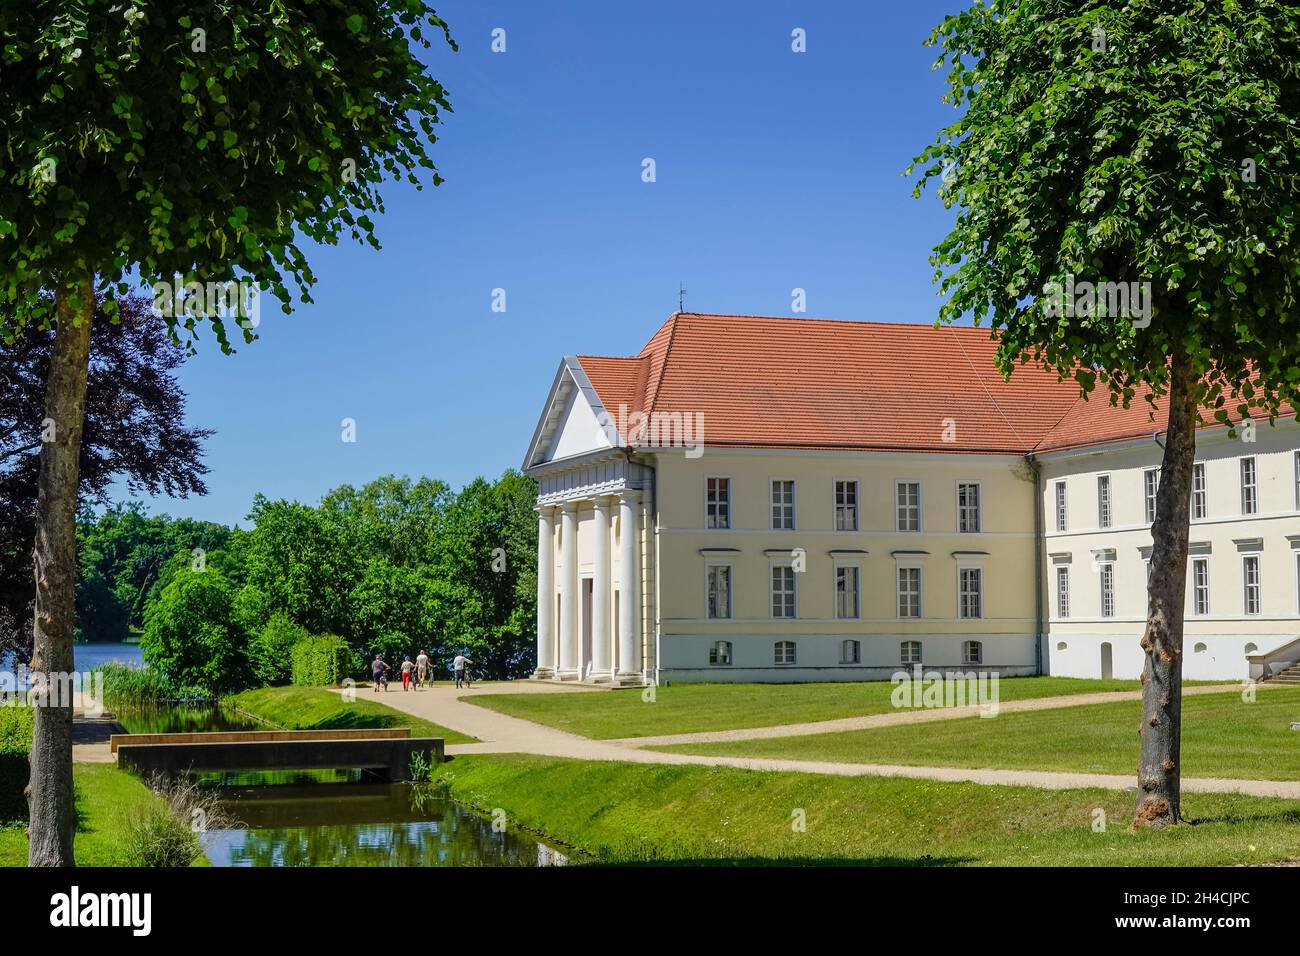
[[681, 297]]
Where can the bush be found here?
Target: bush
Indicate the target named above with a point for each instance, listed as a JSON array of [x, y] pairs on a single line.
[[15, 745], [323, 660], [165, 832], [270, 653], [128, 686], [190, 635]]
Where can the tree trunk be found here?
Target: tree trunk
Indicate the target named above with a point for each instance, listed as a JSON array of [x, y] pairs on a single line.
[[1159, 770], [49, 792]]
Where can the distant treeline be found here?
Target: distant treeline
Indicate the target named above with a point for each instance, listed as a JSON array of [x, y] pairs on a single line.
[[393, 566]]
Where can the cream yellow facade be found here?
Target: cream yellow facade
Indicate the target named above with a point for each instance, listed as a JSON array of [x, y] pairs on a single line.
[[708, 563]]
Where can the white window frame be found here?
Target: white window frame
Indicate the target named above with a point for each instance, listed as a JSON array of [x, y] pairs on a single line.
[[772, 505], [1063, 593], [1105, 502], [773, 567], [1200, 587], [1200, 495], [972, 653], [1249, 489], [778, 647], [721, 505], [1295, 458], [709, 565], [903, 655], [899, 484], [979, 507], [962, 595], [714, 655], [1150, 494], [835, 503], [1061, 504], [856, 568], [1106, 585], [1246, 561], [898, 591], [850, 651]]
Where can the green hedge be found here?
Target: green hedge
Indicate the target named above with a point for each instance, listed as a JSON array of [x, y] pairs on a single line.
[[15, 745], [323, 660]]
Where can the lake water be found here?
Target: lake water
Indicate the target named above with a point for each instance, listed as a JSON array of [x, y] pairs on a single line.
[[86, 657]]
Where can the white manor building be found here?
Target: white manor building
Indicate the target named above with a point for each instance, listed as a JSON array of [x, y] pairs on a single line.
[[780, 499]]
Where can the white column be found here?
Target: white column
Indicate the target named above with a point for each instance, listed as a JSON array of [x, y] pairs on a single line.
[[569, 596], [601, 648], [629, 582], [545, 593]]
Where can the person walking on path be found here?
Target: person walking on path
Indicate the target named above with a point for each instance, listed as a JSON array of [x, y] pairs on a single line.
[[377, 670], [461, 666], [407, 667], [421, 668]]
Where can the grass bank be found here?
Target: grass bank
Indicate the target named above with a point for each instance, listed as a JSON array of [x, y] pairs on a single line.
[[639, 813], [107, 801], [319, 708], [1223, 736], [693, 708]]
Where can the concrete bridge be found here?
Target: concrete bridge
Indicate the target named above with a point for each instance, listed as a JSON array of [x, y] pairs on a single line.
[[382, 754]]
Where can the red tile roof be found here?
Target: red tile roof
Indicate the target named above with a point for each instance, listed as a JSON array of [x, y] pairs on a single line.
[[768, 382]]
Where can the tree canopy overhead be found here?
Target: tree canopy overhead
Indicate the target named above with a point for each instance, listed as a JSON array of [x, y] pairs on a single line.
[[1146, 141], [202, 138]]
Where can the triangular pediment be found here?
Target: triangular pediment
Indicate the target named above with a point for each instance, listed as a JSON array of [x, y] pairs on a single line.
[[573, 423]]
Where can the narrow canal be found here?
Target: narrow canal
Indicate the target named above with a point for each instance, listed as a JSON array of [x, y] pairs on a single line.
[[331, 818]]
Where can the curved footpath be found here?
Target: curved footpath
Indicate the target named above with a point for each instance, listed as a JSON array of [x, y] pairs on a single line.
[[499, 733]]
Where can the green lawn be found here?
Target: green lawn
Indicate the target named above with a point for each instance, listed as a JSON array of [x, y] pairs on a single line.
[[106, 798], [1222, 737], [691, 708], [714, 815], [318, 708]]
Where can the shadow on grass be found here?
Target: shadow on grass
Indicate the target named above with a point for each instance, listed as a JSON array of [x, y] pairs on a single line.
[[763, 861], [355, 720], [1234, 819]]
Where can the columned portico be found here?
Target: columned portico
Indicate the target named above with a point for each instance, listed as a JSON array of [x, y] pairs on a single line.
[[601, 646], [629, 578], [569, 597], [545, 593]]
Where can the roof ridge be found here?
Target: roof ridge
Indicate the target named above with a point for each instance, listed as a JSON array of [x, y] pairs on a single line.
[[653, 392]]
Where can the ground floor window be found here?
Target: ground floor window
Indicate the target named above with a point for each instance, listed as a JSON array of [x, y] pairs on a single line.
[[720, 653], [911, 652], [972, 652], [784, 652], [851, 652]]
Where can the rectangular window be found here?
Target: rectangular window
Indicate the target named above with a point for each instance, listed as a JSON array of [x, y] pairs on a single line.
[[1107, 589], [910, 652], [1250, 582], [1296, 471], [970, 593], [909, 592], [720, 653], [717, 503], [851, 652], [719, 584], [846, 506], [1200, 504], [784, 652], [782, 591], [1200, 586], [783, 505], [1103, 501], [972, 652], [1150, 487], [1062, 591], [968, 507], [846, 592], [1249, 487], [1062, 519], [908, 497]]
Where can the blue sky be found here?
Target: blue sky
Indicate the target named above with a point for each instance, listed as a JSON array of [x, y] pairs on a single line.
[[775, 170]]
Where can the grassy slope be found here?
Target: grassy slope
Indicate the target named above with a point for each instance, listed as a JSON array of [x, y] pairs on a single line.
[[638, 812], [691, 708], [1222, 737], [318, 708], [106, 797]]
